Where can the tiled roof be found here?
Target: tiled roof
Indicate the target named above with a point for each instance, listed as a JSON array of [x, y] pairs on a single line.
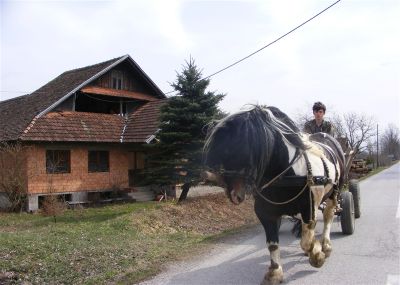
[[16, 114], [70, 126], [143, 123]]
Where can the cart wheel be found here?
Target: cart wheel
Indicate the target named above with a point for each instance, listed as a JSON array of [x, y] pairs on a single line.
[[354, 188], [347, 218]]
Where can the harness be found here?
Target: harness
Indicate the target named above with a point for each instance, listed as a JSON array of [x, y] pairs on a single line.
[[332, 155], [290, 181]]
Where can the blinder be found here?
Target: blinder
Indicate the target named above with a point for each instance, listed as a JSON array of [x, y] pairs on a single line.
[[248, 179]]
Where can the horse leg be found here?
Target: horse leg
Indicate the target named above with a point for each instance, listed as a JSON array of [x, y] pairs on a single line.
[[274, 274], [271, 225], [310, 245], [329, 213]]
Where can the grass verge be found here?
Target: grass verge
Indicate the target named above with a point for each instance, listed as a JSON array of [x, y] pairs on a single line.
[[374, 171], [117, 244]]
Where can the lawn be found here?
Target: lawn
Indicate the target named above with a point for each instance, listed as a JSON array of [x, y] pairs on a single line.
[[120, 244]]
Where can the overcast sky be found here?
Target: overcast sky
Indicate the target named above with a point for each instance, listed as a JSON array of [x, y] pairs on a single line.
[[348, 58]]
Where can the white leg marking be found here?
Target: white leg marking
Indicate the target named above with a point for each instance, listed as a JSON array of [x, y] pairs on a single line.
[[274, 251], [274, 273], [307, 236], [328, 218]]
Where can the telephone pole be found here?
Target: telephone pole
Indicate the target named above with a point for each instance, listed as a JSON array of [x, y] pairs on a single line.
[[377, 145]]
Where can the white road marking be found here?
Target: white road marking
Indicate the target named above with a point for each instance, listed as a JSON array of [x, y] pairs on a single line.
[[398, 210], [393, 280]]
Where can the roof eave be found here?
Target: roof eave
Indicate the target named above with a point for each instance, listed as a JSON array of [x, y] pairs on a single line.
[[48, 109]]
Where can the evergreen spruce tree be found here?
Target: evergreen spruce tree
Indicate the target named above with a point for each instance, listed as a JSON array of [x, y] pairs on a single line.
[[177, 155]]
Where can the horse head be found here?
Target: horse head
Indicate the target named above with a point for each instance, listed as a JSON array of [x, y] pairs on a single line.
[[237, 151]]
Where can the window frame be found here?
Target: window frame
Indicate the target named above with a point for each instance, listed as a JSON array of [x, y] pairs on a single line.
[[65, 160], [98, 164], [117, 79]]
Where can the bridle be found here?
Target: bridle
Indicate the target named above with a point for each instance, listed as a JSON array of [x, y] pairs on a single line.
[[247, 177]]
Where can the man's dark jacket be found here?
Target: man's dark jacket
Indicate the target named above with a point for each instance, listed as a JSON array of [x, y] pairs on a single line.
[[312, 128]]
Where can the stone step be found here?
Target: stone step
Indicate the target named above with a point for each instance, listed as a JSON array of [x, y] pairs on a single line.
[[142, 196]]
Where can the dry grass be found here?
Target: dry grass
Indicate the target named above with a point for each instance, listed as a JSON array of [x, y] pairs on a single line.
[[205, 215], [117, 244]]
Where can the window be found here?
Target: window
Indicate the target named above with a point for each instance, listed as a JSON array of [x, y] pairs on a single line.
[[58, 161], [140, 160], [116, 79], [98, 161]]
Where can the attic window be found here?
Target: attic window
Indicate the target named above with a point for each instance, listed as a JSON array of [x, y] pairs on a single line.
[[116, 79]]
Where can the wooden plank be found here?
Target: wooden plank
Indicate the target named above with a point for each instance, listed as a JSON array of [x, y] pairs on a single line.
[[117, 93]]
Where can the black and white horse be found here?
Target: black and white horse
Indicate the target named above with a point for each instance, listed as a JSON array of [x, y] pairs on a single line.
[[261, 151]]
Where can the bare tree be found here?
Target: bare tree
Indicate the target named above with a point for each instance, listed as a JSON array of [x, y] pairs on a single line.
[[390, 141], [358, 129], [12, 175], [301, 118], [303, 114]]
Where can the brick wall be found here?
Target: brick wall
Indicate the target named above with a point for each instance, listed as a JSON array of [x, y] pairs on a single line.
[[79, 179]]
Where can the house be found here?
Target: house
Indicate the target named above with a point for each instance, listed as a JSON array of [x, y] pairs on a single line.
[[84, 130]]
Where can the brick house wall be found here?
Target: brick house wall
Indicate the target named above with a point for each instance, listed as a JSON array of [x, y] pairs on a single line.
[[79, 179]]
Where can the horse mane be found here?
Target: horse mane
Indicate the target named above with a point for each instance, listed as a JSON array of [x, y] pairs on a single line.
[[287, 127], [245, 141]]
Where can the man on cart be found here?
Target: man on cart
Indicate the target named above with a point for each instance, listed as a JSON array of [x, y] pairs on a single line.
[[318, 124], [349, 200]]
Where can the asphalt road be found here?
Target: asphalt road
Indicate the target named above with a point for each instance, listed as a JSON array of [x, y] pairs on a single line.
[[369, 256]]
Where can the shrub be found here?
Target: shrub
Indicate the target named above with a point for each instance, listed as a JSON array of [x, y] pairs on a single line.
[[12, 175], [52, 206]]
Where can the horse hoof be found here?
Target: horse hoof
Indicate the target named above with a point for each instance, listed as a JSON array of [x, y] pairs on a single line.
[[273, 277], [326, 247], [327, 251], [317, 260]]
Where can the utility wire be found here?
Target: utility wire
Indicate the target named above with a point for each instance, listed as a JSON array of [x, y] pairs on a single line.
[[246, 57], [271, 43]]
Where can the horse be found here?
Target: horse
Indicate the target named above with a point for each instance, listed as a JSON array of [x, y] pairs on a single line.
[[261, 151]]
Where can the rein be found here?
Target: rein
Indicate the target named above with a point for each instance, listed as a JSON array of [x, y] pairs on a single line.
[[295, 159], [308, 183]]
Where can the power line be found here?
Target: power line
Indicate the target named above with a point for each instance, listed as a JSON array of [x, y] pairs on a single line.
[[251, 54], [271, 43]]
